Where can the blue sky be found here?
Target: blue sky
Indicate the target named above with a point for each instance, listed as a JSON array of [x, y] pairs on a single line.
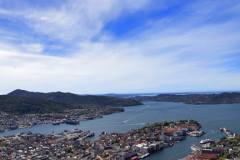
[[119, 46]]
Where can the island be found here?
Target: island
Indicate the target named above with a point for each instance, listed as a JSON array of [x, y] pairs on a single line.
[[197, 99]]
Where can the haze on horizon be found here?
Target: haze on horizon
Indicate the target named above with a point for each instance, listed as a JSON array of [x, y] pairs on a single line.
[[119, 46]]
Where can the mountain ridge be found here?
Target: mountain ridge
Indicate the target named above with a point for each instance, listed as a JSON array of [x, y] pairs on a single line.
[[26, 105], [74, 99]]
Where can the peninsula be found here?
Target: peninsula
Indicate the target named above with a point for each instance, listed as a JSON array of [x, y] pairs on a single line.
[[198, 99], [133, 144]]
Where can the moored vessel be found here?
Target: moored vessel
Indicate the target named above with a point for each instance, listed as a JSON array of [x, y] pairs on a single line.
[[195, 148], [206, 141], [74, 122], [91, 134]]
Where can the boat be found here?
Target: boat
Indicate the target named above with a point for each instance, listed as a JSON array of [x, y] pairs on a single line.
[[196, 133], [55, 123], [74, 122], [194, 147], [147, 122], [221, 129], [91, 134], [145, 155], [206, 141]]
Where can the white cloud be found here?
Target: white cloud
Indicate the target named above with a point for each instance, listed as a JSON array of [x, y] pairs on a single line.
[[151, 63], [166, 57], [33, 48], [74, 20]]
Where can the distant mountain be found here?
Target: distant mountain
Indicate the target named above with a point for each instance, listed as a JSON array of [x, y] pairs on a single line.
[[24, 105], [129, 95], [117, 95], [223, 98], [74, 99]]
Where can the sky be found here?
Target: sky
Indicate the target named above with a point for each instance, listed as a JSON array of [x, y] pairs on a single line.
[[119, 46]]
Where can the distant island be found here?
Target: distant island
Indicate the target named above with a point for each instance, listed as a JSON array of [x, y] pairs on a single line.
[[198, 99]]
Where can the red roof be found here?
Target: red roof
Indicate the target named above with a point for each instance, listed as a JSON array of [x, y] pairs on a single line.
[[204, 157]]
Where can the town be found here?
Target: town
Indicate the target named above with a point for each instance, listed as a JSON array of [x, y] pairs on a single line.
[[10, 121], [75, 144]]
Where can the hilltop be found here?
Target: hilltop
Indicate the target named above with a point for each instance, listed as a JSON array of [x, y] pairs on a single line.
[[74, 99]]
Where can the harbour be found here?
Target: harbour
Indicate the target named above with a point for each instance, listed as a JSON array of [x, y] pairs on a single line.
[[212, 149], [151, 112]]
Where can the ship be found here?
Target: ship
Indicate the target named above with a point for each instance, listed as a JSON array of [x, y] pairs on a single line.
[[195, 148], [91, 134], [74, 122], [55, 123], [206, 141], [221, 129], [145, 155]]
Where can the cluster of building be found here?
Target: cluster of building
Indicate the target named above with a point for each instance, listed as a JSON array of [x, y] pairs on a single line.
[[224, 148], [10, 122], [26, 145], [75, 144]]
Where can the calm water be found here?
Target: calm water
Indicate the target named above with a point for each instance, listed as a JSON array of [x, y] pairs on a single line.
[[212, 117]]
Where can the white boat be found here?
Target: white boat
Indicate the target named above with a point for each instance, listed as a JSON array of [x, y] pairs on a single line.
[[195, 148], [206, 141], [90, 134], [145, 155]]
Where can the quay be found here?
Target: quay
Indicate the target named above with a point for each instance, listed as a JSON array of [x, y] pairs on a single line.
[[217, 149], [228, 133]]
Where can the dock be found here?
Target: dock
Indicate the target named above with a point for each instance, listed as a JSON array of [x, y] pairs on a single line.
[[228, 133]]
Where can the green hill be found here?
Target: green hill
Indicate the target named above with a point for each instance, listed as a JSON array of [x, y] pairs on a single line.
[[74, 99], [24, 105]]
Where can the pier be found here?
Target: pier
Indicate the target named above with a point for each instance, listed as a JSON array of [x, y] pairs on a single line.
[[228, 133]]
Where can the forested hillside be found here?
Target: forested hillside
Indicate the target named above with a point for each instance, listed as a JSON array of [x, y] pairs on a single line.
[[75, 99]]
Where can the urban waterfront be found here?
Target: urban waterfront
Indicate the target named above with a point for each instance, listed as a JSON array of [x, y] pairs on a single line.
[[211, 117]]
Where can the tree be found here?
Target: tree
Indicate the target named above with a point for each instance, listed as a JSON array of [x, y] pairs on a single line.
[[68, 150], [234, 143], [213, 145], [222, 153], [227, 155]]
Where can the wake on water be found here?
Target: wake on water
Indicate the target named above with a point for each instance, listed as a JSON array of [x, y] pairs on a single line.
[[131, 119], [136, 117], [137, 124]]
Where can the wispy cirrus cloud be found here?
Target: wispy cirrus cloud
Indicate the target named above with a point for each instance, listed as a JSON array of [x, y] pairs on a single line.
[[171, 47]]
